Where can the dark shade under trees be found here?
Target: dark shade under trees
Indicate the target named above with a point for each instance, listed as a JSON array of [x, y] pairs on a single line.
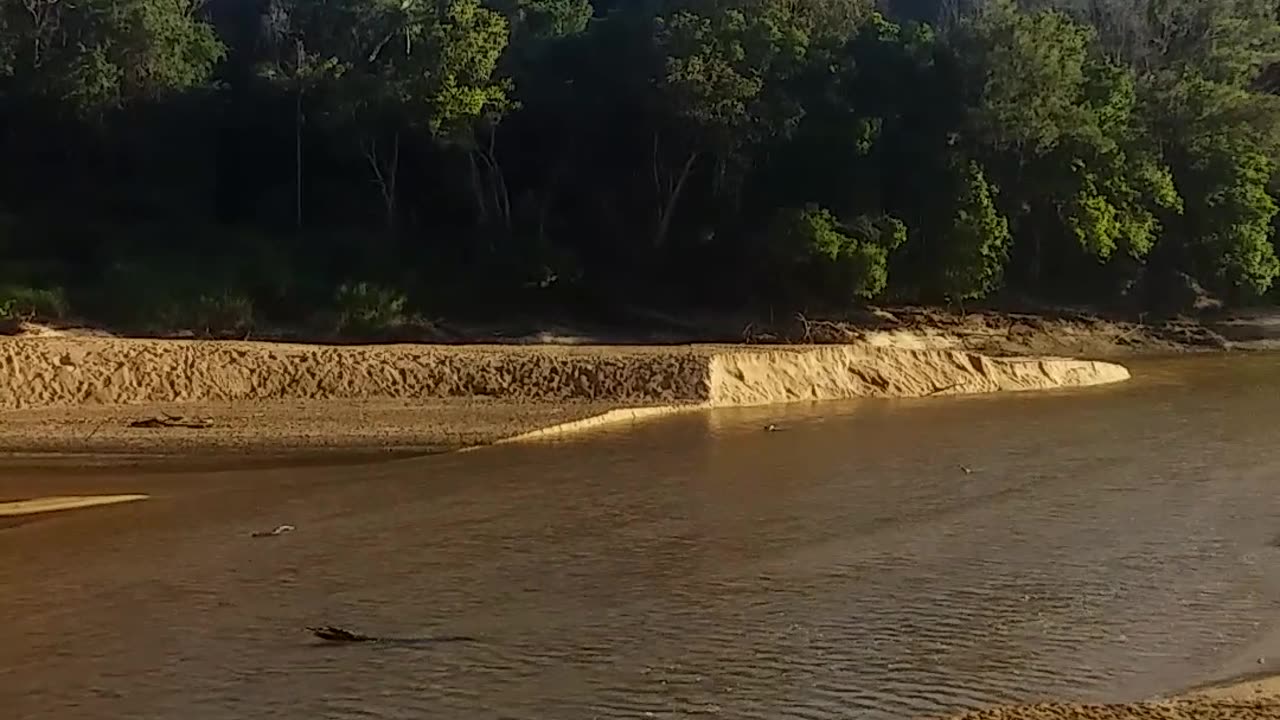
[[216, 164]]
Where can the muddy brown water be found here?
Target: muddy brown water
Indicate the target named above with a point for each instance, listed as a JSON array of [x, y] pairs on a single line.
[[1109, 544]]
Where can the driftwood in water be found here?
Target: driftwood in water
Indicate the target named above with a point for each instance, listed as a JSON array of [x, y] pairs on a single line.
[[337, 634], [342, 635]]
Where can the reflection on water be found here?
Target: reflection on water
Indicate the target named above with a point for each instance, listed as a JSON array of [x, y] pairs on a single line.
[[1108, 544]]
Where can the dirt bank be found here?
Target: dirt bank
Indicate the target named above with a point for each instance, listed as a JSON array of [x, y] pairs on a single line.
[[1035, 331], [77, 372], [65, 394]]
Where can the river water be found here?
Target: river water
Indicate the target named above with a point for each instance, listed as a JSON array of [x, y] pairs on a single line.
[[1109, 544]]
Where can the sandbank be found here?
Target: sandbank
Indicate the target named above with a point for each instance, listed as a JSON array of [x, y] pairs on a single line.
[[35, 506], [88, 394]]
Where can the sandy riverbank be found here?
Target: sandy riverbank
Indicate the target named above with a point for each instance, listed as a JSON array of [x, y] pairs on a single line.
[[1254, 698], [35, 506], [69, 394], [1194, 709]]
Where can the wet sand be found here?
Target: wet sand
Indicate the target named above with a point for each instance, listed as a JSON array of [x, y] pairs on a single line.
[[1179, 710], [1254, 698], [280, 428], [35, 506], [1258, 686]]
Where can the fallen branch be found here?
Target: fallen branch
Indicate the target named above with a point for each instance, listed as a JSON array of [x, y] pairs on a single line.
[[165, 420]]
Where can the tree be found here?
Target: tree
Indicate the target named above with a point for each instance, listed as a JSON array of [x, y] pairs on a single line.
[[543, 19], [722, 87], [538, 29], [1222, 143], [100, 54], [831, 262], [1221, 135], [973, 254], [1055, 125], [420, 65], [298, 72]]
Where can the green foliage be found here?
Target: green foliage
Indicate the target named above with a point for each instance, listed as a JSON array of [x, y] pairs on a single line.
[[225, 313], [29, 303], [229, 312], [1223, 140], [99, 54], [1026, 73], [167, 296], [365, 308], [843, 262], [544, 19], [1058, 128], [1226, 41], [417, 64], [593, 152], [1235, 211], [726, 62], [977, 242]]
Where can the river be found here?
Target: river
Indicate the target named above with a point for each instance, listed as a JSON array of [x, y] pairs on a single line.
[[1108, 544]]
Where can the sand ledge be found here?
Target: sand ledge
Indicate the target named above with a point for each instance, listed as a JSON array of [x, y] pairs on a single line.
[[81, 393], [62, 372]]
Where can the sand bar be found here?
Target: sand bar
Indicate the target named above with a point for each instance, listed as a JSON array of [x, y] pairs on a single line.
[[55, 504], [72, 372], [83, 393]]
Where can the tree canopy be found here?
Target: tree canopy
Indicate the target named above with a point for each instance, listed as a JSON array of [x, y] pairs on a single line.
[[230, 162]]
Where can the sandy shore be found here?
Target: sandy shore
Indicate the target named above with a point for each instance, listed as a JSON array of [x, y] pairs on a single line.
[[35, 506], [102, 394], [428, 426], [1193, 709], [1252, 698], [1263, 686]]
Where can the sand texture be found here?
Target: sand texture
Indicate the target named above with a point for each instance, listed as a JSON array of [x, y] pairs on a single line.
[[1248, 699], [1253, 688], [1193, 709], [268, 427], [54, 504], [84, 394], [72, 372], [761, 377]]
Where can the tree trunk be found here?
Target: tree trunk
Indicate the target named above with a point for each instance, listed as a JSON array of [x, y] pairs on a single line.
[[385, 177], [297, 157], [667, 207], [477, 192], [497, 187], [389, 194]]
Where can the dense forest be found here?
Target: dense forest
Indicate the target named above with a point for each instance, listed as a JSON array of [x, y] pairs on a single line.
[[226, 163]]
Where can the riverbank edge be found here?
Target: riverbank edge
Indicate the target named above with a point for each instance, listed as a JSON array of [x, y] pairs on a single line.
[[1263, 684], [93, 395], [1250, 697], [60, 503]]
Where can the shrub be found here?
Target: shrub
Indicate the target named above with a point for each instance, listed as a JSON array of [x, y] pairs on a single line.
[[369, 308], [28, 303], [226, 313], [834, 262]]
